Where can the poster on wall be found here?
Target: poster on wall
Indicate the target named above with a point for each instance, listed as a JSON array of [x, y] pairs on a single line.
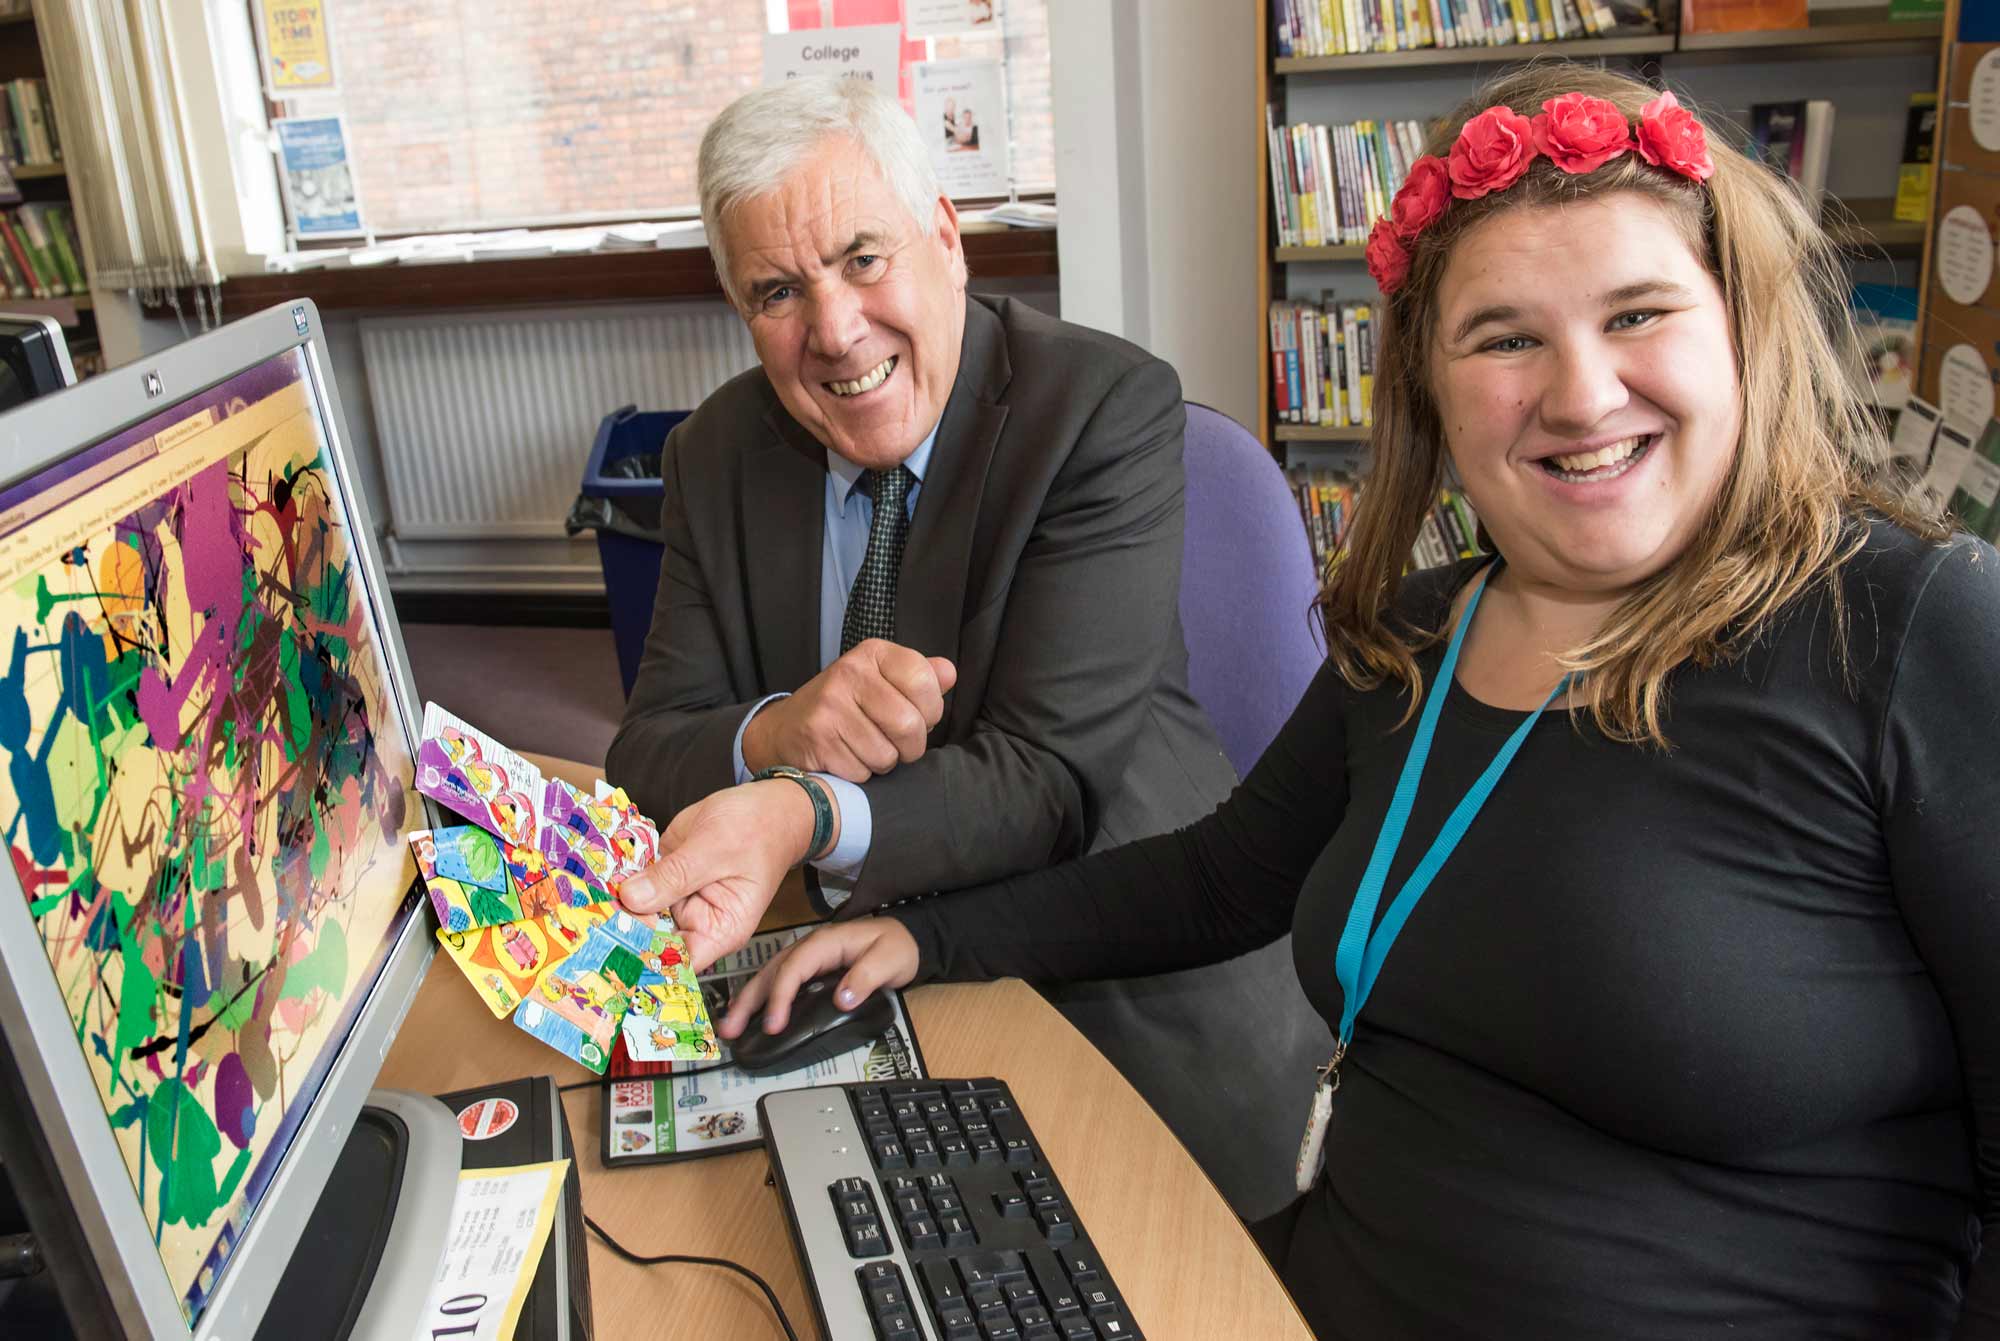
[[949, 18], [962, 112], [297, 48], [320, 198], [871, 52]]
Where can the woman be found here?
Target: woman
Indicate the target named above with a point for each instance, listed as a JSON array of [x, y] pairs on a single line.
[[1697, 1030]]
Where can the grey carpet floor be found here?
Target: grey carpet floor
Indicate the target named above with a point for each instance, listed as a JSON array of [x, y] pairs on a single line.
[[547, 691]]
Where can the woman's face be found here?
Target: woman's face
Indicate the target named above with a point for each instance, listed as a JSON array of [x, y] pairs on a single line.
[[1586, 381]]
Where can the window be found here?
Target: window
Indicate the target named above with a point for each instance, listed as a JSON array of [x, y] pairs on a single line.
[[468, 114]]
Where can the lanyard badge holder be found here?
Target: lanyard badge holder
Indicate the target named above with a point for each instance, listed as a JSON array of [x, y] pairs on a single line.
[[1360, 954]]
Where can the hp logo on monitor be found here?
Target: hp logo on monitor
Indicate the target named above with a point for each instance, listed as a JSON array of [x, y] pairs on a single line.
[[154, 386], [299, 319]]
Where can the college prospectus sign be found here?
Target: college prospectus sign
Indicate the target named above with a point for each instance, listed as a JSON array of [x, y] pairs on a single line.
[[870, 52]]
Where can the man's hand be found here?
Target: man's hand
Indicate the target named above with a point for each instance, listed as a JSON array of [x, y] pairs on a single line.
[[720, 863], [863, 715]]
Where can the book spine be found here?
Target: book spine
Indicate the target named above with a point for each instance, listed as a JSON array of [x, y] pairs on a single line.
[[1329, 193], [1365, 330], [1281, 21], [36, 289], [1295, 413], [1280, 398], [1308, 360], [1347, 328]]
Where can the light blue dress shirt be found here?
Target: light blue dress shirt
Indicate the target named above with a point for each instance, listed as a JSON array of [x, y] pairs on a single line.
[[849, 515]]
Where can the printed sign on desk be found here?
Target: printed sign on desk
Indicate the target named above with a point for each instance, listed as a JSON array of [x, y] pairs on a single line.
[[320, 199], [298, 51], [962, 113], [870, 52]]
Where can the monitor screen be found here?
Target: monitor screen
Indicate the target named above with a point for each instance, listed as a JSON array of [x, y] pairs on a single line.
[[205, 787]]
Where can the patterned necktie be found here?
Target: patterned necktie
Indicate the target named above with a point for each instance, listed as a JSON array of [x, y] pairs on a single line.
[[871, 602]]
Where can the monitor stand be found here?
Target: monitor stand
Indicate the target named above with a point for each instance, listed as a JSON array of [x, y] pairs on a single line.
[[365, 1264]]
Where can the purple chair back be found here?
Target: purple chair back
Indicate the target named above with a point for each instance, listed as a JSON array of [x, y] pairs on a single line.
[[1247, 586]]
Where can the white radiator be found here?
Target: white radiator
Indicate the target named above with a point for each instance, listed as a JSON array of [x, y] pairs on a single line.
[[483, 424]]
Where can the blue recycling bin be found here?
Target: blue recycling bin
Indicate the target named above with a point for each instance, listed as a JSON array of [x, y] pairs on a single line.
[[620, 500]]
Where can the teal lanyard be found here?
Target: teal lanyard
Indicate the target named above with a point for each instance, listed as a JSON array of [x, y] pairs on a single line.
[[1360, 955]]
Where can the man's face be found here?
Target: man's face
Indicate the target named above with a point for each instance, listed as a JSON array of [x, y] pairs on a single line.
[[856, 315]]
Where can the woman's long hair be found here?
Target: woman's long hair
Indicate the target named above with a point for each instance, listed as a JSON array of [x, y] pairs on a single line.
[[1807, 462]]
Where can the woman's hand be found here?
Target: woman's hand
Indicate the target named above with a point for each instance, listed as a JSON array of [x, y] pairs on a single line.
[[879, 950]]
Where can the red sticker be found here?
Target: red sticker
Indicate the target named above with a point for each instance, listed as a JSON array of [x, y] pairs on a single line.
[[487, 1118]]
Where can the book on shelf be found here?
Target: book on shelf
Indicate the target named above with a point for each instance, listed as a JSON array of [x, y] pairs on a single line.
[[1326, 500], [1323, 363], [1913, 179], [28, 124], [1330, 183], [1737, 16], [41, 255], [1354, 27], [1795, 139]]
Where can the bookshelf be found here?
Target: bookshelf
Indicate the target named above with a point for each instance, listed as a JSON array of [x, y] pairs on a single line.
[[21, 57], [1837, 49]]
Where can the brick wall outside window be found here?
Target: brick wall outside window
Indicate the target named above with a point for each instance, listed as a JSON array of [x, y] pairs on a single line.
[[466, 114]]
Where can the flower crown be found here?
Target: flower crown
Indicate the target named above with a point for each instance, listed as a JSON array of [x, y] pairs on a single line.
[[1576, 132]]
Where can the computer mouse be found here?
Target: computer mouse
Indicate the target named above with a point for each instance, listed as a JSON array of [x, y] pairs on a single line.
[[818, 1029]]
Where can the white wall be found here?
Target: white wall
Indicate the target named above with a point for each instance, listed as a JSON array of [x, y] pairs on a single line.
[[1156, 142]]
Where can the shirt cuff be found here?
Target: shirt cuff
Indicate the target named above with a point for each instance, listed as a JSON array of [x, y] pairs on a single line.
[[840, 869], [736, 748]]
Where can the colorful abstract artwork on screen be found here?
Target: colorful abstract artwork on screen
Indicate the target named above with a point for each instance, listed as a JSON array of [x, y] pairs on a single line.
[[203, 792]]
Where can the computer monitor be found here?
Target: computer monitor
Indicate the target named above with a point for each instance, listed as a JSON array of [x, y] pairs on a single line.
[[34, 360], [209, 925]]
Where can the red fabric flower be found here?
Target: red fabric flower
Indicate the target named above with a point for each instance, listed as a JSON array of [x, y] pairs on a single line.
[[1424, 194], [1579, 133], [1388, 259], [1670, 137], [1492, 152]]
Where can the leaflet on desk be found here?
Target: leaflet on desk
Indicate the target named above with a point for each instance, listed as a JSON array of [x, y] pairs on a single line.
[[655, 1113]]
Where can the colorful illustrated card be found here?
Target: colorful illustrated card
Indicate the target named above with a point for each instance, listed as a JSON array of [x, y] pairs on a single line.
[[668, 1020], [502, 963], [461, 904], [577, 1006], [476, 776]]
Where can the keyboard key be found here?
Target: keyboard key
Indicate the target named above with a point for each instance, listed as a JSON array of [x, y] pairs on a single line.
[[852, 1187], [1053, 1282], [1081, 1264], [875, 1272], [910, 1205], [960, 1325], [1076, 1327], [900, 1184], [923, 1233], [1033, 1317], [941, 1283], [958, 1232], [1011, 1205], [957, 1154], [985, 1148], [984, 1295], [999, 1329], [900, 1326], [944, 1203], [1116, 1325], [866, 1241], [1020, 1293], [923, 1152], [1058, 1225]]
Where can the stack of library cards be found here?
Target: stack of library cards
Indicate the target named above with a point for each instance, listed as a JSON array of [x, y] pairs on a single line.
[[524, 901]]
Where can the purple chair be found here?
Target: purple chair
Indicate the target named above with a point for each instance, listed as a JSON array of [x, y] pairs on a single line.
[[1247, 586]]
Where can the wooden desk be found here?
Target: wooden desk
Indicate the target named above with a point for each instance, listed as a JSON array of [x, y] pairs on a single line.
[[1185, 1263]]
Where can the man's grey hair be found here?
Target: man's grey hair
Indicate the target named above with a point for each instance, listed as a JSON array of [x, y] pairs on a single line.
[[761, 138]]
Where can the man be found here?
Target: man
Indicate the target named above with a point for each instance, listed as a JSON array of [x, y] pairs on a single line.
[[929, 553]]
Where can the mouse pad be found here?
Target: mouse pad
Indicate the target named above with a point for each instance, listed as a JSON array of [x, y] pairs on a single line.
[[658, 1111]]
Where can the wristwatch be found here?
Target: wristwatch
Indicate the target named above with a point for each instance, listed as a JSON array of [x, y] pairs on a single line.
[[822, 835]]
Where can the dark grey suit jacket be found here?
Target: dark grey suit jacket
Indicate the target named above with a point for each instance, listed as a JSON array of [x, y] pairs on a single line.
[[1044, 561]]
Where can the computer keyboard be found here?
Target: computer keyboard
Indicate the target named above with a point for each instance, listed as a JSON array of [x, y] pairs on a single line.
[[925, 1210]]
